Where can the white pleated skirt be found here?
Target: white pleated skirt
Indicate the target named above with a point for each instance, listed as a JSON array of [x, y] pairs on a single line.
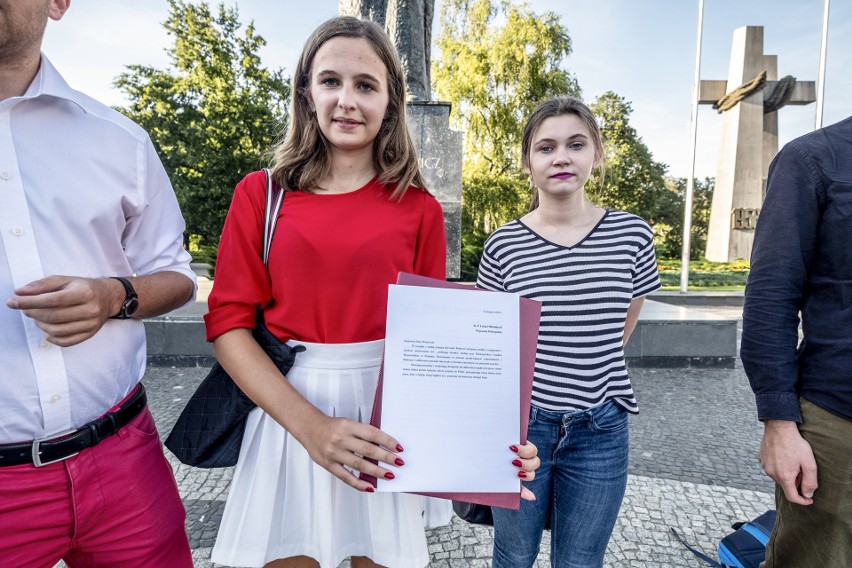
[[282, 504]]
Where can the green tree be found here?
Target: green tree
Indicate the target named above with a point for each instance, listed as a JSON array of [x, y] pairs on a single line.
[[668, 229], [633, 180], [497, 61], [212, 114]]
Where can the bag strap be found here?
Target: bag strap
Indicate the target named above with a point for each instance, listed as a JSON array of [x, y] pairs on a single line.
[[697, 553], [274, 200], [765, 522]]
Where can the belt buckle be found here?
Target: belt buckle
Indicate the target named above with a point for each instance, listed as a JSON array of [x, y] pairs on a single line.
[[37, 449]]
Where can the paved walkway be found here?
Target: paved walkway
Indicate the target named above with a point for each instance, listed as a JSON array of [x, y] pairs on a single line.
[[693, 466]]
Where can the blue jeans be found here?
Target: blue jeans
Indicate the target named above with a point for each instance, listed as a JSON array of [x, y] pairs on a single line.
[[580, 485]]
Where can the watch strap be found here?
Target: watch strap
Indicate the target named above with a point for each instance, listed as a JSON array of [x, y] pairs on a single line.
[[130, 298]]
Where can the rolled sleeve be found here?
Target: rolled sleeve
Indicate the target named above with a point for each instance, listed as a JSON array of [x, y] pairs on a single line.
[[153, 236], [242, 284], [778, 406], [646, 278]]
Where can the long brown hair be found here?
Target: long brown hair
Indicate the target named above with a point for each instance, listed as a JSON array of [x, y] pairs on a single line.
[[301, 160], [560, 106]]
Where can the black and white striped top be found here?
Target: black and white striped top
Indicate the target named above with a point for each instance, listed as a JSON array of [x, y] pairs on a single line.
[[585, 291]]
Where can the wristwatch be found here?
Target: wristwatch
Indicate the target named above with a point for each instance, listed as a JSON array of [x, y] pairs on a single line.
[[131, 300]]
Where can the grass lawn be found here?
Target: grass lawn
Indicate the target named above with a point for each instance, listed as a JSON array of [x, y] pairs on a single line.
[[705, 276]]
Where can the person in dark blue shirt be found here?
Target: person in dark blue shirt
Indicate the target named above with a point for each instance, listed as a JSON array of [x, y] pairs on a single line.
[[801, 266]]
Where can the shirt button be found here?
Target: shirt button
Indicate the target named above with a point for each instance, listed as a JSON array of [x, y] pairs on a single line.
[[5, 175], [55, 398], [17, 231], [44, 344]]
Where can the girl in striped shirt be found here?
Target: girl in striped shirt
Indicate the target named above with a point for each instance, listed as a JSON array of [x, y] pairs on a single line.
[[591, 268]]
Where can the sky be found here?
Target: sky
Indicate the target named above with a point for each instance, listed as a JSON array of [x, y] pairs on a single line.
[[643, 50]]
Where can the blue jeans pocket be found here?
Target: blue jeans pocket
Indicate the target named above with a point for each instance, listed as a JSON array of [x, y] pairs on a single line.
[[533, 416], [610, 417]]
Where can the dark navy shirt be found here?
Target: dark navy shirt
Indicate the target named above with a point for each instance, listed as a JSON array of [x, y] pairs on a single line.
[[802, 263]]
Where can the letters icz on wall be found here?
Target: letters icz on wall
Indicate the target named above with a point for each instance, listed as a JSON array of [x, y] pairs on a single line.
[[430, 163]]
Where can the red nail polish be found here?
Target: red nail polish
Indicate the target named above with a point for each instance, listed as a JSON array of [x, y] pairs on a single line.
[[399, 448], [517, 463], [389, 475], [398, 461], [514, 448], [522, 474], [369, 489]]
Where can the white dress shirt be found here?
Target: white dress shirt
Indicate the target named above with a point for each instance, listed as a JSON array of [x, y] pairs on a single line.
[[82, 193]]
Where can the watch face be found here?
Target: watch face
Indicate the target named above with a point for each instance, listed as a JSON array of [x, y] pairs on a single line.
[[131, 306]]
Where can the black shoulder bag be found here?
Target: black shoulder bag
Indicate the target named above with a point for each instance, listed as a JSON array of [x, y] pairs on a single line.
[[209, 431]]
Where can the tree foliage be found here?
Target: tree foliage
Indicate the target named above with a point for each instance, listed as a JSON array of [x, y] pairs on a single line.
[[637, 183], [212, 114], [668, 230], [497, 61], [633, 180]]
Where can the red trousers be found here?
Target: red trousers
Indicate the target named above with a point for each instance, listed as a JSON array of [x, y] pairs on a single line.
[[115, 504]]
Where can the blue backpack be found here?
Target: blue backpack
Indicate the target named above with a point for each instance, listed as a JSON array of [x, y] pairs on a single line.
[[743, 548]]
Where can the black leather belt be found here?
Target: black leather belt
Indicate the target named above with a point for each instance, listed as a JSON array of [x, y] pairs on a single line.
[[68, 444]]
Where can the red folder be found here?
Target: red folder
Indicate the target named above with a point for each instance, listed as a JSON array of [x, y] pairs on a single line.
[[530, 315]]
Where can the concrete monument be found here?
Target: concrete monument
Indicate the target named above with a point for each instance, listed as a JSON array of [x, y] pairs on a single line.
[[441, 154], [409, 24], [749, 100]]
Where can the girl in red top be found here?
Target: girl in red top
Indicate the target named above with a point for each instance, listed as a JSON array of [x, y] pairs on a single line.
[[355, 214]]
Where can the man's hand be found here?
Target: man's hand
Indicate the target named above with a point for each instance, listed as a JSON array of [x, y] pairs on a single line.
[[788, 459], [68, 309]]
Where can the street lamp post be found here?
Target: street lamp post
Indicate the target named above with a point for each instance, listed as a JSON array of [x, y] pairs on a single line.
[[690, 181]]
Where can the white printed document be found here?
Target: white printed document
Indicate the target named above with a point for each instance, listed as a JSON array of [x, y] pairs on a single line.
[[451, 389]]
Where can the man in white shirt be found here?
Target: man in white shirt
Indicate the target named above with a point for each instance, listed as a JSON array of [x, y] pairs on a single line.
[[91, 237]]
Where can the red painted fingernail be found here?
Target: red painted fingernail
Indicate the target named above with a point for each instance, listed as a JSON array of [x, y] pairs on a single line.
[[389, 475], [522, 474], [399, 448], [369, 489], [514, 448], [517, 463], [398, 461]]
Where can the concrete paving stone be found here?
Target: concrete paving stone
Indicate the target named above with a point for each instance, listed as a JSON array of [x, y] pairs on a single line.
[[705, 339]]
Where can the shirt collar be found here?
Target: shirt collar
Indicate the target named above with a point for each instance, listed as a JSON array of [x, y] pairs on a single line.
[[48, 82]]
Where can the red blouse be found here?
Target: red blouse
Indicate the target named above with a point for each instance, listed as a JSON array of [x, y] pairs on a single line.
[[330, 263]]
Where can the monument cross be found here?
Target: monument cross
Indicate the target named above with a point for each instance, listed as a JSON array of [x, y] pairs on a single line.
[[749, 100]]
